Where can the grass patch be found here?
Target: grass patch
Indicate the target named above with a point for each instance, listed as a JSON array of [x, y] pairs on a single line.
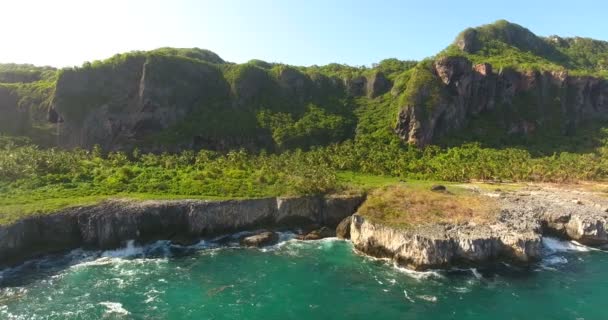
[[18, 207], [15, 209], [407, 206]]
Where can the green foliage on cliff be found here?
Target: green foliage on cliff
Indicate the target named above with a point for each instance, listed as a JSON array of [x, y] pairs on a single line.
[[506, 44], [192, 53], [315, 127], [24, 73], [423, 88], [29, 174]]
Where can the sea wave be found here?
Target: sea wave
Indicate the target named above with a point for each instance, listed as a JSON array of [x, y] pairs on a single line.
[[557, 245], [115, 308]]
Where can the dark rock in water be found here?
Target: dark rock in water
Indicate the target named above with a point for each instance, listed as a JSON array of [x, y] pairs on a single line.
[[260, 240], [343, 229], [322, 233], [438, 188]]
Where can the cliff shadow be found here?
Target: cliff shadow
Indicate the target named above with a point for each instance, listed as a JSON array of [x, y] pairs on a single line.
[[539, 141]]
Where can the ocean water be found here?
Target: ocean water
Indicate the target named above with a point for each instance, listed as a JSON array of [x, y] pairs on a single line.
[[322, 279]]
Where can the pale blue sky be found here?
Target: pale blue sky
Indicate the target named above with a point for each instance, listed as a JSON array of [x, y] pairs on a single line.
[[305, 32]]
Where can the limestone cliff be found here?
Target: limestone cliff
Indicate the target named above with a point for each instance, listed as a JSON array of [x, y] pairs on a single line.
[[526, 216], [440, 246], [110, 224], [526, 101], [169, 103]]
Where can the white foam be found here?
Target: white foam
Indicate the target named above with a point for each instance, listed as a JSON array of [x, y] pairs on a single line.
[[129, 251], [553, 260], [462, 289], [408, 297], [418, 275], [115, 307], [476, 273], [428, 298], [556, 245]]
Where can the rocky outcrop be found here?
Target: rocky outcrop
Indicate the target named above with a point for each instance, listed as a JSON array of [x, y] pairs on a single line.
[[440, 246], [262, 239], [529, 100], [515, 235], [377, 84], [343, 228], [295, 83], [575, 215], [323, 232], [13, 119], [111, 224], [117, 107], [356, 87]]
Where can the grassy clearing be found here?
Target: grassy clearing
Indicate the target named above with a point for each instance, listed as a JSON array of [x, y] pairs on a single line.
[[46, 200], [410, 205], [15, 208], [12, 210]]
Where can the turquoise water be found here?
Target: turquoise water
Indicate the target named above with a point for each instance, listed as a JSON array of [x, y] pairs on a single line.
[[297, 280]]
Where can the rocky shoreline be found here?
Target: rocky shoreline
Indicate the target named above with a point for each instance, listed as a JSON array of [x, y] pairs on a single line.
[[525, 217], [515, 236], [111, 224]]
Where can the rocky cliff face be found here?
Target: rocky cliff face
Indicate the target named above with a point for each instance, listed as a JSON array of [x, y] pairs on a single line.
[[526, 216], [127, 102], [110, 224], [12, 118], [527, 101], [440, 246], [121, 105]]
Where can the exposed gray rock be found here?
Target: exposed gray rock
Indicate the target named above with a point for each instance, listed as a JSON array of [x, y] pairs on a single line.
[[461, 91], [343, 229], [356, 87], [266, 238], [112, 223], [323, 232], [377, 84], [516, 234], [441, 246], [559, 212], [335, 205]]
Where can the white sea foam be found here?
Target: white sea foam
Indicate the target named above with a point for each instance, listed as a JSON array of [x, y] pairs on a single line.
[[115, 308], [462, 289], [408, 297], [553, 260], [129, 251], [427, 298], [476, 273], [556, 245], [418, 275]]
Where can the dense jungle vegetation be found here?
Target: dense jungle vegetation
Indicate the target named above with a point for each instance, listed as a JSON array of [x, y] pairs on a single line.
[[324, 141]]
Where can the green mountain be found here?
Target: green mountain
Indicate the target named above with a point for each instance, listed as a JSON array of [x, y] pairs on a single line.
[[497, 84]]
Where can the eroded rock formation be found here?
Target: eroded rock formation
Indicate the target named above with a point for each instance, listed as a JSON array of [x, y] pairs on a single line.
[[526, 216], [528, 100], [110, 224]]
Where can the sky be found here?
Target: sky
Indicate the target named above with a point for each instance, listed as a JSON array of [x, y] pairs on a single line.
[[65, 33]]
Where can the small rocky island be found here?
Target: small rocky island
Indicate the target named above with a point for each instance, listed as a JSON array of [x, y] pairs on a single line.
[[416, 227]]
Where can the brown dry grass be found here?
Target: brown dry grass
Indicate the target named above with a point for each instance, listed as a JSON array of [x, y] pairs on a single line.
[[404, 206]]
